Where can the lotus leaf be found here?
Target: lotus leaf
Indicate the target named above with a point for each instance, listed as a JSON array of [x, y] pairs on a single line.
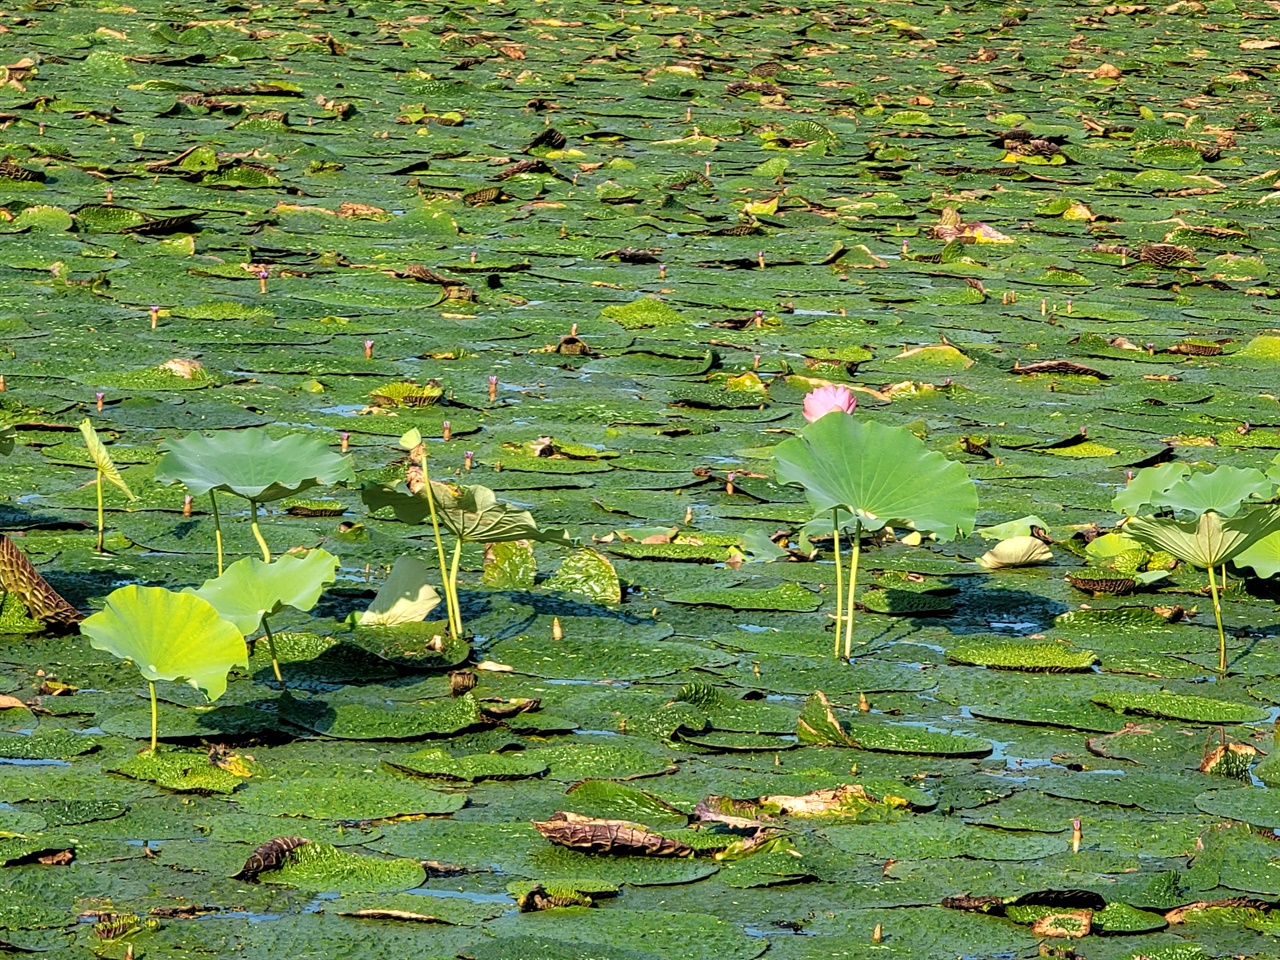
[[1223, 490], [1018, 551], [168, 636], [250, 464], [883, 476], [1050, 657], [323, 867], [1208, 541], [480, 766], [366, 797], [180, 772], [1181, 706], [376, 720], [250, 590], [587, 573]]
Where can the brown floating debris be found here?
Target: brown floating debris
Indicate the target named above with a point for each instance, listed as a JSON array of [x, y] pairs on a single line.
[[268, 856], [593, 835]]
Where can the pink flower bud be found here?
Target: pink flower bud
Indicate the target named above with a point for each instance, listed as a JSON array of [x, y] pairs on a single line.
[[824, 400]]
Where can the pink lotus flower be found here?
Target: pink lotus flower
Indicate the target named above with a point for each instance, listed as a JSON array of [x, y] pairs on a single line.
[[826, 400]]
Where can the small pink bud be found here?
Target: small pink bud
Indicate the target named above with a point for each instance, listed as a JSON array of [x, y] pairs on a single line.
[[662, 271], [468, 459], [493, 389], [446, 430], [346, 441], [99, 399], [186, 505], [368, 349]]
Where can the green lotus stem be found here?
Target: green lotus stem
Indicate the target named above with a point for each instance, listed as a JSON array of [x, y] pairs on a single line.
[[853, 588], [101, 523], [835, 529], [449, 601], [217, 528], [154, 714], [271, 647], [452, 587], [1217, 616], [257, 532]]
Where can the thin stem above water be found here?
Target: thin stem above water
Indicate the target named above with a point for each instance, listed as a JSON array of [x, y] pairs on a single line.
[[257, 531], [217, 528]]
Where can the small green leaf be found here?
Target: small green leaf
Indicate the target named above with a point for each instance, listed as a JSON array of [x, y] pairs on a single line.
[[102, 458]]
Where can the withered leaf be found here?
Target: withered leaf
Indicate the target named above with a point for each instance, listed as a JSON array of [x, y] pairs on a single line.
[[375, 913], [19, 577], [1059, 367], [268, 856], [593, 835]]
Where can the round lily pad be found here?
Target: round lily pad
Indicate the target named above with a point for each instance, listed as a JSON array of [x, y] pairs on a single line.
[[1048, 657], [345, 798]]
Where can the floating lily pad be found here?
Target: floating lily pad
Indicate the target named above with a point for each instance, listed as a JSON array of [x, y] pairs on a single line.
[[786, 596], [324, 868], [1048, 657], [361, 798], [1177, 706]]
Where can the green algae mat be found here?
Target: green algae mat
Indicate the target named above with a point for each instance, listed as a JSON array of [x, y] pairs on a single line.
[[592, 257]]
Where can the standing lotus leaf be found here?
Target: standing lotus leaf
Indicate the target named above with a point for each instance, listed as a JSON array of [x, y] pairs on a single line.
[[250, 592], [882, 475], [168, 636], [1209, 541], [1174, 487], [474, 515], [250, 464]]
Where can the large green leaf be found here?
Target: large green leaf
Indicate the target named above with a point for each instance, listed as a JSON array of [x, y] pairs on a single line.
[[250, 589], [1174, 487], [882, 475], [102, 458], [1208, 541], [250, 464], [471, 513], [168, 636]]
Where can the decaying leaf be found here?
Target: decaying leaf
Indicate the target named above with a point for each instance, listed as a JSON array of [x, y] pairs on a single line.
[[592, 835], [268, 856]]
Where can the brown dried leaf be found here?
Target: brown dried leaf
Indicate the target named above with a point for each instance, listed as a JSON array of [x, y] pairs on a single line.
[[1060, 368], [375, 913], [593, 835], [268, 856], [19, 577]]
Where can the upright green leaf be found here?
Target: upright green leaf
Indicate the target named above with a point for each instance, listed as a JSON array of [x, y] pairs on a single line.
[[250, 464], [250, 589], [102, 458], [1223, 490], [168, 636], [1209, 540], [882, 475]]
